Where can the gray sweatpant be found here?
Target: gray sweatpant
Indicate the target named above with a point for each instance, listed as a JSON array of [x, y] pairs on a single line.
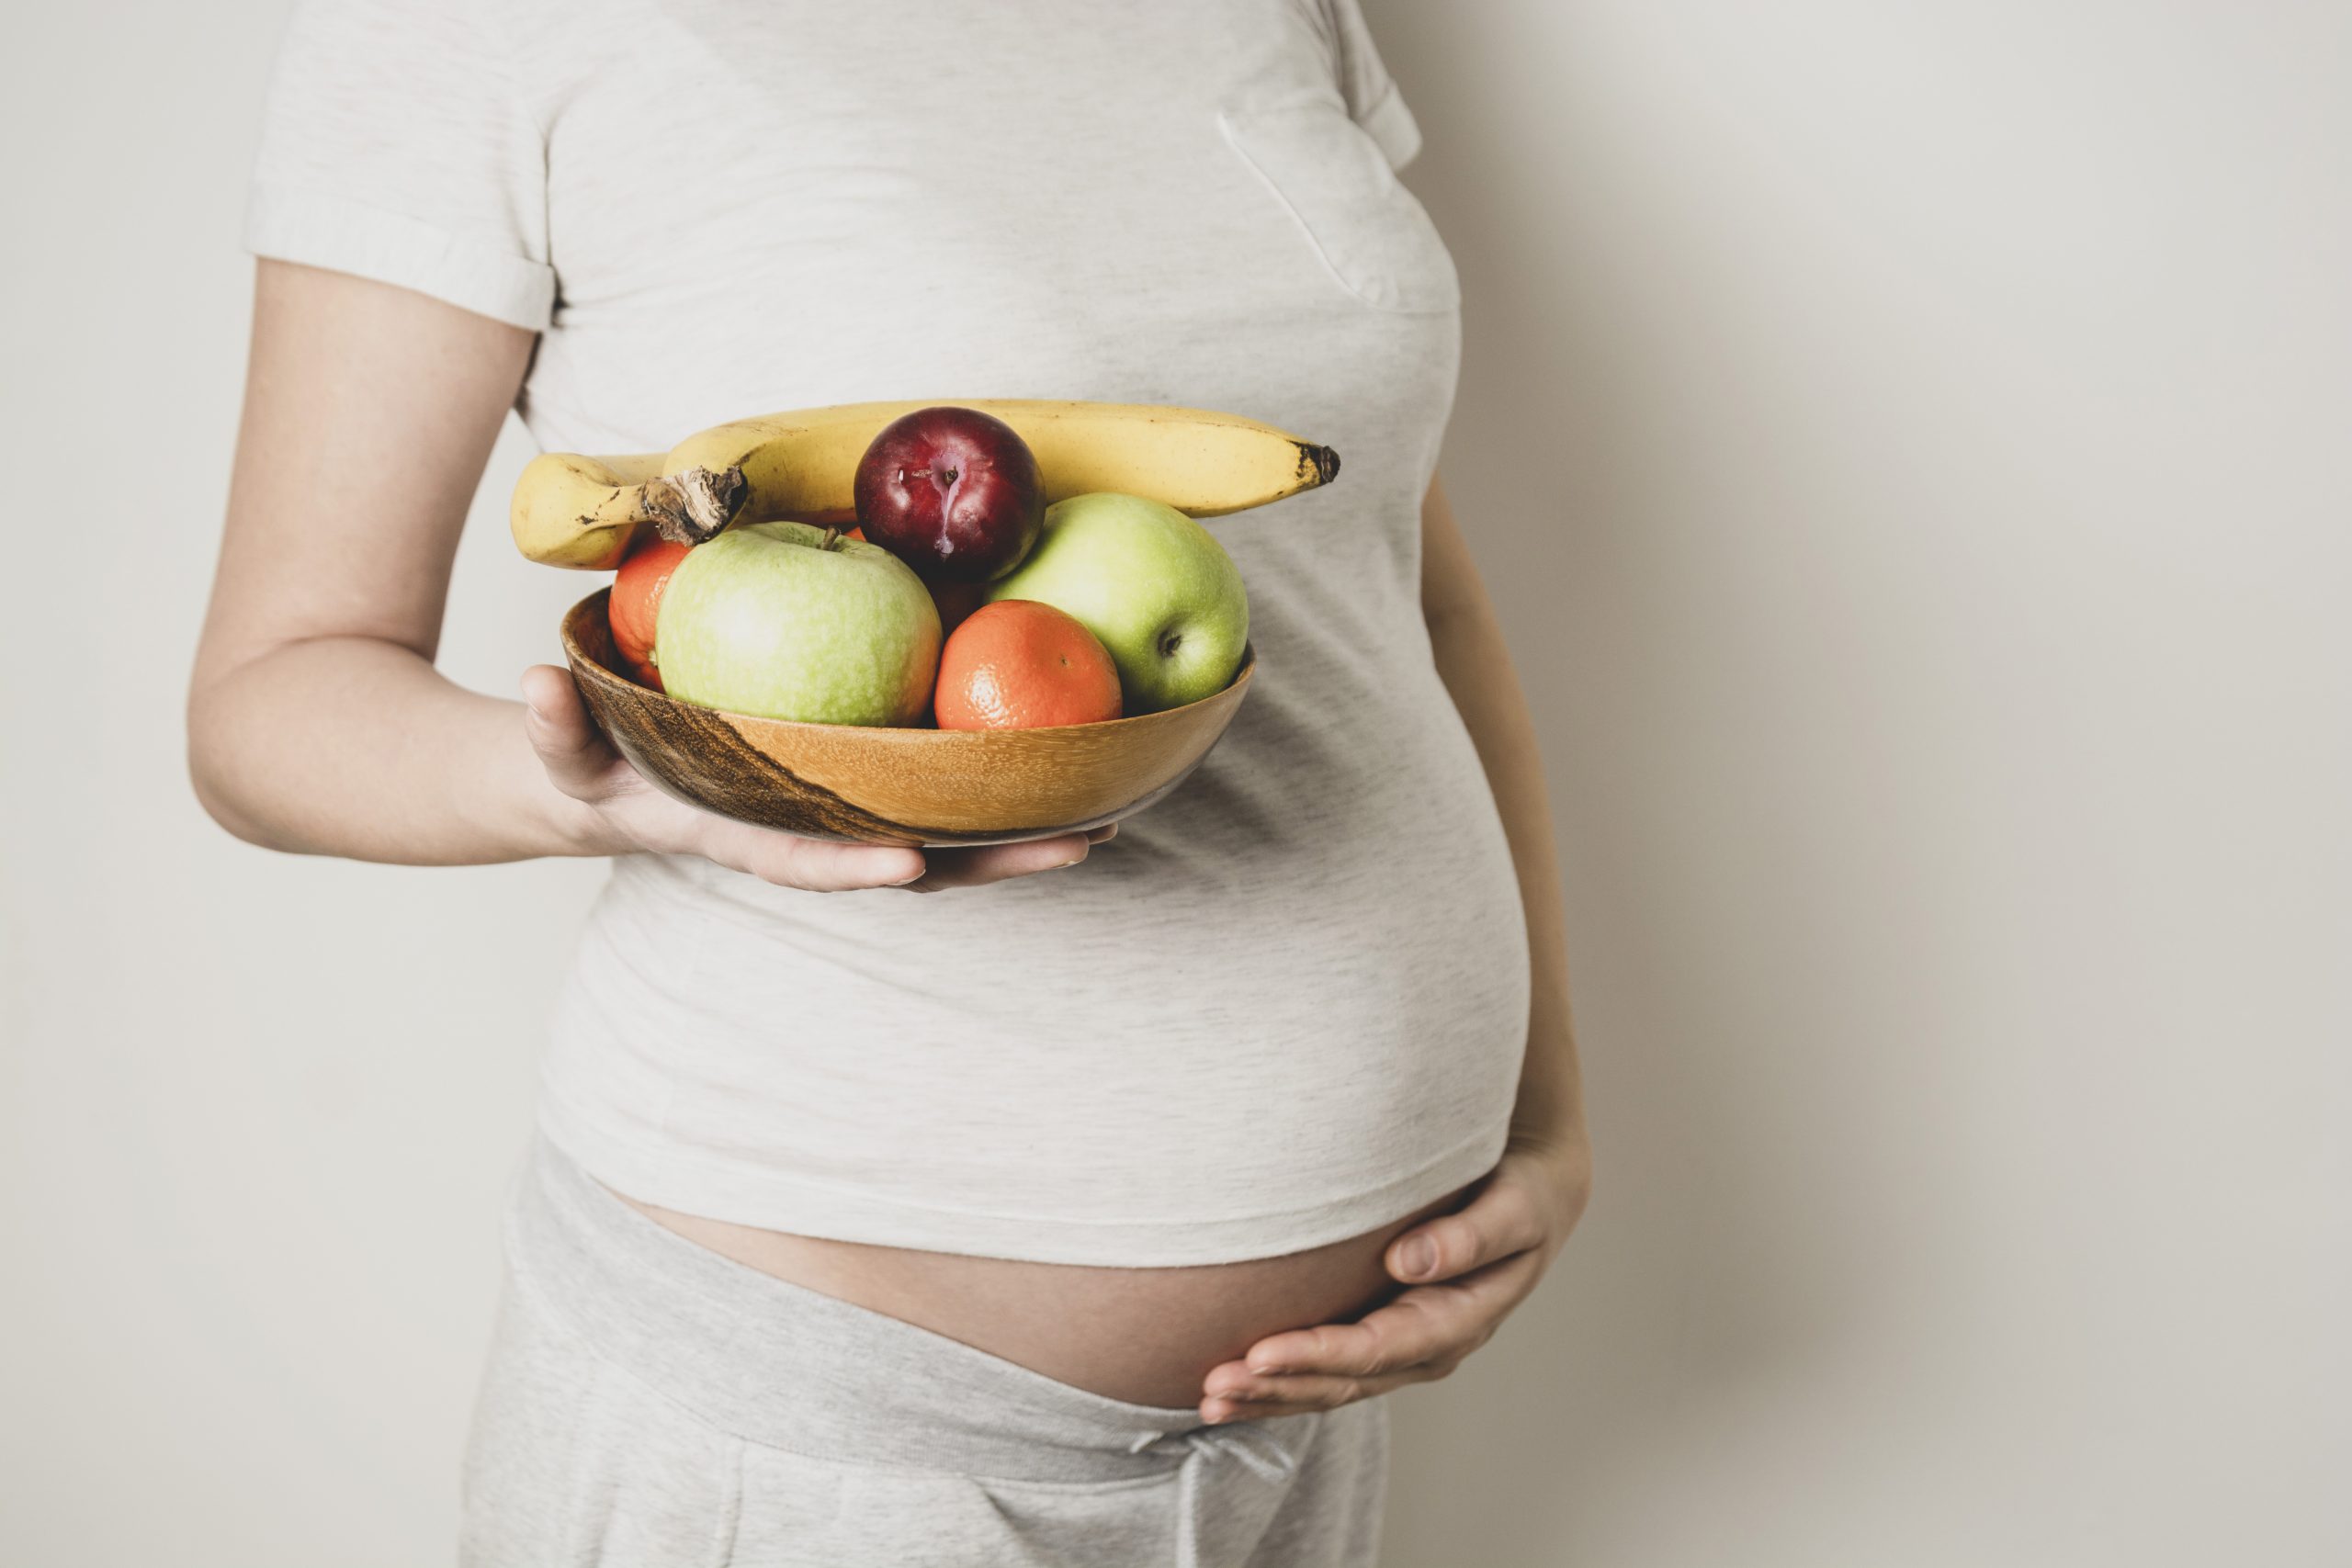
[[652, 1404]]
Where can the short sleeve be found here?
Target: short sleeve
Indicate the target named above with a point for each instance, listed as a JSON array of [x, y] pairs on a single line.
[[1373, 101], [396, 146]]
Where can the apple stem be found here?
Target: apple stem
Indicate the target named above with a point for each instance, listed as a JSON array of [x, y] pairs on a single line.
[[832, 539]]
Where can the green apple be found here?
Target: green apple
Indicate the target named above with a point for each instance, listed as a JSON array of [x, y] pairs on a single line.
[[1153, 585], [781, 620]]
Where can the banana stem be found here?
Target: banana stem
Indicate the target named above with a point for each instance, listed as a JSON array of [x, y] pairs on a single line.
[[694, 506]]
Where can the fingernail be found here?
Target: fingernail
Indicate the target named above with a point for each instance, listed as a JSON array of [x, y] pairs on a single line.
[[1417, 1257], [1265, 1368]]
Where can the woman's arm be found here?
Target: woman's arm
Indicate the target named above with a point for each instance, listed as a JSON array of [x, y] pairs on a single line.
[[316, 721], [1469, 1269]]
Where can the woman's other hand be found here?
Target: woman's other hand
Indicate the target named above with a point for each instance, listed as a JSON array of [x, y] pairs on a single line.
[[1464, 1273], [609, 807]]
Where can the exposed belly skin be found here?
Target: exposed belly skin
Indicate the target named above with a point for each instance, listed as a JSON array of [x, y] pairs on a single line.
[[1145, 1335]]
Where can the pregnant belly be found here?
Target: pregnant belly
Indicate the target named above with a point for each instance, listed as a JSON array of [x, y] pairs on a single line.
[[1145, 1335]]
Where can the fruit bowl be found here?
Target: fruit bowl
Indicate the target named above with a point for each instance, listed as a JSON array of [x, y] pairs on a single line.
[[858, 784]]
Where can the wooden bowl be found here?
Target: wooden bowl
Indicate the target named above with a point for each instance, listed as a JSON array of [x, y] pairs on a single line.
[[872, 785]]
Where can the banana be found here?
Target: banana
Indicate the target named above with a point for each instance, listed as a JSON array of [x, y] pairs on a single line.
[[581, 512], [586, 512]]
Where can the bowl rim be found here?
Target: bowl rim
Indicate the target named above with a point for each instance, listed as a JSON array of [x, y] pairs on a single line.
[[601, 597]]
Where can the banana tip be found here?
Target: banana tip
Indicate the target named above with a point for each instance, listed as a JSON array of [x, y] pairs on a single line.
[[1320, 461]]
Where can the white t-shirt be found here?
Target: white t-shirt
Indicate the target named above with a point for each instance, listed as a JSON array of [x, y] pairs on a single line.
[[1287, 1003]]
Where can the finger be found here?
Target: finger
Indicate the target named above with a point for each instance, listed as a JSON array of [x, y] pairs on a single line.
[[1503, 1219], [1217, 1415], [822, 867], [1231, 1380], [573, 750], [1425, 1324], [1295, 1395], [814, 865], [995, 862], [1235, 1383]]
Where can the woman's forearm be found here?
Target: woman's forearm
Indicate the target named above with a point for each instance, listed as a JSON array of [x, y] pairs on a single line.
[[1474, 663], [357, 746]]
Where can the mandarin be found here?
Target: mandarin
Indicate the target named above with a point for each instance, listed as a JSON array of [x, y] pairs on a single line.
[[1018, 664], [636, 600]]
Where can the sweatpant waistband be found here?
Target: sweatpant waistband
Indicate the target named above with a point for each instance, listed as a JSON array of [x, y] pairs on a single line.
[[790, 1368]]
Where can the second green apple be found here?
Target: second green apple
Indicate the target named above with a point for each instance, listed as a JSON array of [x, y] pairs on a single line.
[[1153, 585]]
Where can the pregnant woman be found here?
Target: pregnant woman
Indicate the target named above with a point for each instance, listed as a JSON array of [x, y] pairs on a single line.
[[1065, 1202]]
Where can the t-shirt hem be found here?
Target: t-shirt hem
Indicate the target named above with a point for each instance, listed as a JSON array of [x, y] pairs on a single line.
[[289, 223], [697, 1182]]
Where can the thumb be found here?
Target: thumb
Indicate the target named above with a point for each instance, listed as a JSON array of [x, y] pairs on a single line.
[[1501, 1221], [574, 752]]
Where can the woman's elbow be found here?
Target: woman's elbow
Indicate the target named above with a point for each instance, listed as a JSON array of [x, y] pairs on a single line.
[[216, 773]]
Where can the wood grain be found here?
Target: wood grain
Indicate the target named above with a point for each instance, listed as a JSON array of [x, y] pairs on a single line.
[[936, 787]]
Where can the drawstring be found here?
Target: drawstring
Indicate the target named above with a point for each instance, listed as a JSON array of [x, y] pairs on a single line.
[[1265, 1458], [1253, 1449]]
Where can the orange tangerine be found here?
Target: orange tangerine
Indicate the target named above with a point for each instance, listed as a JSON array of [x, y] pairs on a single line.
[[1017, 664], [636, 598]]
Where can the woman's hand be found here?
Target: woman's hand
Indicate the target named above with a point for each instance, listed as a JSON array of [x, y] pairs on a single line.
[[1465, 1271], [609, 809]]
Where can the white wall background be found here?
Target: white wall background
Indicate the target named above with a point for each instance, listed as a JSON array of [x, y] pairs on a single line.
[[1909, 445]]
